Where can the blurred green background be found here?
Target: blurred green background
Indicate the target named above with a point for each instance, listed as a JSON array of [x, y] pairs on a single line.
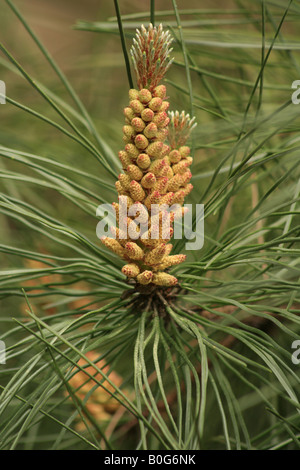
[[240, 96]]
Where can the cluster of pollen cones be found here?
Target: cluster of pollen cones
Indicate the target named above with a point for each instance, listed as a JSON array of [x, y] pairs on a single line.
[[156, 168]]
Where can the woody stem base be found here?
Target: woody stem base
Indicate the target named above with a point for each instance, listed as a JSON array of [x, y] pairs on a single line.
[[151, 298]]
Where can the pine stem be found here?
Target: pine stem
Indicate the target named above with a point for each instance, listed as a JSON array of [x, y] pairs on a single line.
[[152, 12], [122, 36]]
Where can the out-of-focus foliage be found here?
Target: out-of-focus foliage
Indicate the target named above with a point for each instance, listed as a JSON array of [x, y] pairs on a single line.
[[217, 371]]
